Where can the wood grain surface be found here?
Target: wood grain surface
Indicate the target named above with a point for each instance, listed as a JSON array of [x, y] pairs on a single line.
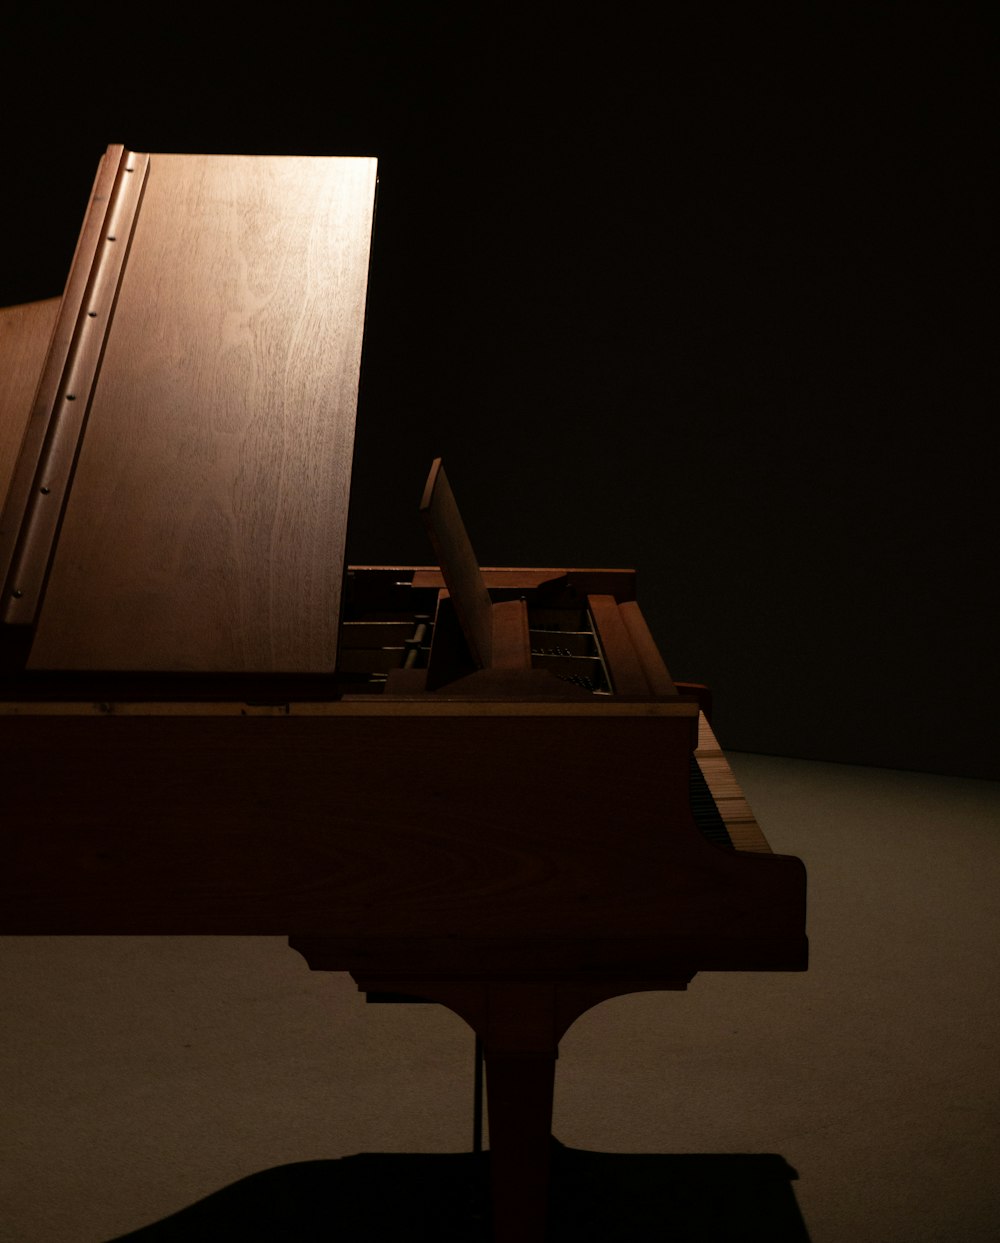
[[25, 332], [653, 667], [265, 825], [620, 657], [205, 528], [40, 484]]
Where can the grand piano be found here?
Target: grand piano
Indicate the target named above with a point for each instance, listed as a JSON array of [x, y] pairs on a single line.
[[478, 787]]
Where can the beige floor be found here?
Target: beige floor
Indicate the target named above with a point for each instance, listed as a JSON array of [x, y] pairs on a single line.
[[141, 1074]]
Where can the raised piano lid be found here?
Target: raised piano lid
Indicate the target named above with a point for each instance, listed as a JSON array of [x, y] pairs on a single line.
[[203, 380]]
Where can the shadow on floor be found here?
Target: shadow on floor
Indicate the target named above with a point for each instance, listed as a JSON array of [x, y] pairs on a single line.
[[443, 1198]]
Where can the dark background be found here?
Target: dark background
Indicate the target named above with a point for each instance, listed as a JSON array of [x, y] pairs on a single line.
[[698, 294]]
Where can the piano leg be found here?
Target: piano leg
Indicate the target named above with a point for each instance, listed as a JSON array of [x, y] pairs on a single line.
[[520, 1022], [519, 1087]]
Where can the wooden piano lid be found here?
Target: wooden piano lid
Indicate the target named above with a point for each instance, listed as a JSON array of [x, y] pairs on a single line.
[[180, 499]]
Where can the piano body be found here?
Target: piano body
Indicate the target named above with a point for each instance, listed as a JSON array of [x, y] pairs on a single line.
[[476, 787]]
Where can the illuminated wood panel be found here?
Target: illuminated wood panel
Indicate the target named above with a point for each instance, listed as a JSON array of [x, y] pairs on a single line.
[[204, 529], [24, 339]]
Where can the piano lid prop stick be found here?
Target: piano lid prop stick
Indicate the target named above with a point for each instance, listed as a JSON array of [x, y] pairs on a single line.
[[458, 563]]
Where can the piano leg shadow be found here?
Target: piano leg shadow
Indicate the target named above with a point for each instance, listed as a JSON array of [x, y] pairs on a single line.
[[594, 1196]]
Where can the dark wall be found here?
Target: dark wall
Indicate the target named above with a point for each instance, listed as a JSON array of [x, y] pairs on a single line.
[[699, 296]]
